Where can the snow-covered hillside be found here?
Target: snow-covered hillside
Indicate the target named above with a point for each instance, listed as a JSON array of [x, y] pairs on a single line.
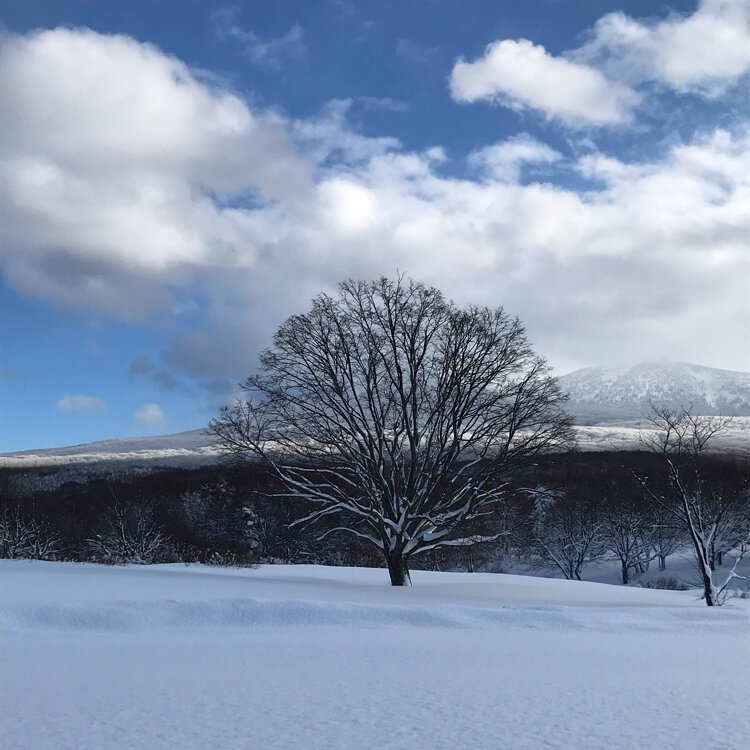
[[598, 394], [187, 657], [196, 448], [186, 449]]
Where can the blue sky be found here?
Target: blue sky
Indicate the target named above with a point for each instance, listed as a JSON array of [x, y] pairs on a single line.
[[176, 178]]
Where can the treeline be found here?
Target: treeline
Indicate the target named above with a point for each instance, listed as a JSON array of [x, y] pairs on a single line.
[[215, 515], [565, 512]]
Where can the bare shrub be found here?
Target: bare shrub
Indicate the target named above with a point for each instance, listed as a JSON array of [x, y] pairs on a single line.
[[566, 531], [128, 534], [23, 536]]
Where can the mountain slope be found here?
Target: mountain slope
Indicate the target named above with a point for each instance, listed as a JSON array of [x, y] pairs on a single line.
[[598, 394], [188, 449]]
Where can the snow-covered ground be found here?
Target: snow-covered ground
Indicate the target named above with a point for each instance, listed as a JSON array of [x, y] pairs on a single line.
[[313, 657]]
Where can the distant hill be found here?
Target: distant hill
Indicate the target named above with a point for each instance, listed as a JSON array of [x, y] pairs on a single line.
[[181, 449], [608, 405], [600, 395]]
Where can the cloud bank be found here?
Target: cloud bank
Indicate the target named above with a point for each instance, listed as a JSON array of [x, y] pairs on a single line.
[[135, 186]]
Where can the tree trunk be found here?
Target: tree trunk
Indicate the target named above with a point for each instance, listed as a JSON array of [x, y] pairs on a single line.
[[398, 569], [624, 565], [708, 590], [662, 562], [701, 556]]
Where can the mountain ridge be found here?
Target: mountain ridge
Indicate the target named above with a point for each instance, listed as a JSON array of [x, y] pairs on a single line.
[[608, 406], [599, 394]]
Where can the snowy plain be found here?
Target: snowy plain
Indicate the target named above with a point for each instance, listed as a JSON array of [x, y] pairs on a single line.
[[312, 657]]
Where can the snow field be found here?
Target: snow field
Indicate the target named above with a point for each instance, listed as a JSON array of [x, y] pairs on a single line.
[[313, 657]]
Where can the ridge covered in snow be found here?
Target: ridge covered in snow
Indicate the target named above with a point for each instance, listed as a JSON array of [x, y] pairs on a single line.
[[187, 449], [600, 394]]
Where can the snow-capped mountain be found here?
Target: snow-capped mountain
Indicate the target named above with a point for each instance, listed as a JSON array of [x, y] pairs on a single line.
[[598, 394]]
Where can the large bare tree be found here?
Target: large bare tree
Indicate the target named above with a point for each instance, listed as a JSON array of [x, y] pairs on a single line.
[[397, 412]]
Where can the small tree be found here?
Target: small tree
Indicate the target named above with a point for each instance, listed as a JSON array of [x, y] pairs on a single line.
[[396, 412], [701, 507], [217, 521], [668, 535], [628, 531], [566, 531]]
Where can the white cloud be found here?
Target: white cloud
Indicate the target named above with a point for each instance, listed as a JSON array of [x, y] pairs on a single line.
[[150, 414], [327, 136], [112, 156], [521, 75], [651, 261], [81, 403], [503, 160], [704, 53], [701, 53]]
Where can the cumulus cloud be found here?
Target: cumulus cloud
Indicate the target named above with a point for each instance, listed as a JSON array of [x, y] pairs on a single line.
[[521, 75], [114, 158], [704, 53], [264, 212], [150, 414], [701, 53], [81, 403], [503, 160], [649, 262]]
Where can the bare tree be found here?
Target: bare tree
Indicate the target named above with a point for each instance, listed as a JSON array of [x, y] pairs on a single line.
[[701, 507], [627, 532], [566, 531], [396, 412], [668, 535]]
